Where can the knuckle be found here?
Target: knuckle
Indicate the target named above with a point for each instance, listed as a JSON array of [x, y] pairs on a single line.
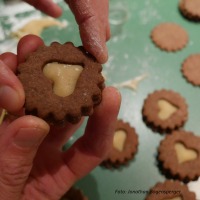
[[14, 173]]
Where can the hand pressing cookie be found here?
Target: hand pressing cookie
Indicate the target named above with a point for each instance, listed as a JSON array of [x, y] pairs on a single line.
[[170, 190], [169, 37], [36, 147], [125, 143], [61, 83], [190, 9], [164, 111], [179, 154]]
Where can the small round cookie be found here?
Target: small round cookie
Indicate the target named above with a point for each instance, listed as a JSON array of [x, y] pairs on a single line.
[[164, 111], [169, 37], [170, 190], [190, 9], [61, 82], [74, 194], [179, 154], [125, 143], [191, 69]]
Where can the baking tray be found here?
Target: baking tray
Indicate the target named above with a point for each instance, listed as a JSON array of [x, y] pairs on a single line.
[[132, 55]]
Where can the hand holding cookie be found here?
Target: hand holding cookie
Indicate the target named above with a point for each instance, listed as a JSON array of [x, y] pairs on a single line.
[[30, 150]]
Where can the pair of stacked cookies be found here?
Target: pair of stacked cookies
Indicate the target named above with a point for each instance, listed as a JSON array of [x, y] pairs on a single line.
[[61, 82]]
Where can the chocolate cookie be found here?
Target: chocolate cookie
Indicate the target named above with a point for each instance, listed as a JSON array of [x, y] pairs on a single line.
[[191, 69], [170, 190], [74, 194], [179, 154], [164, 111], [169, 37], [190, 9], [61, 83], [125, 143]]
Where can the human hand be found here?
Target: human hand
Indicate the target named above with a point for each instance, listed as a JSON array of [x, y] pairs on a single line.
[[92, 18], [32, 165]]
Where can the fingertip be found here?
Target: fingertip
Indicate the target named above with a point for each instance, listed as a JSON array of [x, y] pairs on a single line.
[[11, 90], [30, 132], [106, 112], [11, 98], [27, 45], [48, 7], [97, 49], [29, 121], [57, 12], [10, 59], [102, 57], [94, 38], [111, 100]]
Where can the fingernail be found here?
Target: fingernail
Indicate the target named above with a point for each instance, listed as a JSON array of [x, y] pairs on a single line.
[[102, 53], [29, 137], [9, 98]]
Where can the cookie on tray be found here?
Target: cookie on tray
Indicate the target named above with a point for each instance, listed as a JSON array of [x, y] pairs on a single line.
[[74, 194], [164, 110], [179, 154], [61, 83], [190, 9], [191, 69], [169, 36], [170, 190], [125, 143]]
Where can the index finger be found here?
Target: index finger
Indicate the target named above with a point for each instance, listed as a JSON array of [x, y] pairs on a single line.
[[27, 45], [46, 6]]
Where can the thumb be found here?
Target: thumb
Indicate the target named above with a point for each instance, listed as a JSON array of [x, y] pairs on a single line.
[[19, 143]]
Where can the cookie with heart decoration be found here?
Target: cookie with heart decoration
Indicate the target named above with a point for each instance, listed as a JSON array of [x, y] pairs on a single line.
[[164, 110], [125, 143], [170, 190], [179, 154], [61, 82]]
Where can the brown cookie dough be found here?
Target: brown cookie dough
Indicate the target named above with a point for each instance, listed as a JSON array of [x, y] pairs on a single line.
[[169, 37], [164, 110], [190, 9], [179, 154], [191, 69], [74, 194], [125, 143], [170, 190], [44, 93]]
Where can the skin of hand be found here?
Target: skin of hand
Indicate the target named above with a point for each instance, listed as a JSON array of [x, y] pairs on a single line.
[[32, 165], [92, 18]]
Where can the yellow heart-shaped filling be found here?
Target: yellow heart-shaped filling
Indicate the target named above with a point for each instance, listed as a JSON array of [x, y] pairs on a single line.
[[119, 140], [184, 154], [166, 109], [64, 77]]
